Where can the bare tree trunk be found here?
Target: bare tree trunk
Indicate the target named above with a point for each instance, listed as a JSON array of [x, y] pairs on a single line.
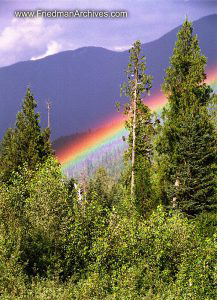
[[134, 130], [48, 113]]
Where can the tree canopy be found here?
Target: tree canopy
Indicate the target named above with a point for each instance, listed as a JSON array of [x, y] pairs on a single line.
[[26, 142], [187, 143]]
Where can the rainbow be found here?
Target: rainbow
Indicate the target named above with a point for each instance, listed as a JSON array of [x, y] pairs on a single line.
[[109, 135], [212, 79]]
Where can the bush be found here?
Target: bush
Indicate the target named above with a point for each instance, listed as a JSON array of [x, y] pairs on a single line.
[[54, 247], [33, 208]]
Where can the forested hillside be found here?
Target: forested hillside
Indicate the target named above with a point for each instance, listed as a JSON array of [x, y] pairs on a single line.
[[149, 234], [110, 156]]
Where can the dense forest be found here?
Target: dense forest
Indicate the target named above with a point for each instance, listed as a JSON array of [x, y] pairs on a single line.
[[149, 234]]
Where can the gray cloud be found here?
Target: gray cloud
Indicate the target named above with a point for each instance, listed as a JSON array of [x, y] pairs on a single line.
[[34, 38]]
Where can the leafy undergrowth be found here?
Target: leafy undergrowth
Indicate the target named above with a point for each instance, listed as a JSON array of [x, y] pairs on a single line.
[[53, 247]]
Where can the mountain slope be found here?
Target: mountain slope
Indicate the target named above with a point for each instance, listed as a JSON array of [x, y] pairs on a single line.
[[84, 84]]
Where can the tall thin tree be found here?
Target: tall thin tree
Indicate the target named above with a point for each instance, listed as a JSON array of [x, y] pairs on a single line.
[[48, 113], [137, 86]]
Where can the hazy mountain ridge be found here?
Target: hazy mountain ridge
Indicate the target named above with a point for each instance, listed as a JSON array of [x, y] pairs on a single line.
[[84, 84]]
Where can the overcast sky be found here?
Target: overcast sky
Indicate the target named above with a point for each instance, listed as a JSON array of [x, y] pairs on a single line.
[[33, 38]]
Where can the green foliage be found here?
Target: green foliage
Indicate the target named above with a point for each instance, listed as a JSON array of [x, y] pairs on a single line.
[[56, 245], [100, 187], [140, 127], [101, 252], [197, 277], [45, 211], [86, 223], [25, 143], [187, 141], [35, 204], [136, 68], [213, 110], [12, 279], [164, 257]]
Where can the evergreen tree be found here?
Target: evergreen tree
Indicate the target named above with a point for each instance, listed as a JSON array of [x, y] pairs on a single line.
[[25, 143], [139, 125], [187, 143], [8, 155], [143, 155]]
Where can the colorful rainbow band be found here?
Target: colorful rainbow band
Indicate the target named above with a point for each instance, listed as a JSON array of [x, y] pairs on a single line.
[[110, 133]]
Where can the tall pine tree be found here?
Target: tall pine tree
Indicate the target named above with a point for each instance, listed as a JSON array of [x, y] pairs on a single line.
[[187, 143], [144, 133], [140, 127], [26, 143]]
